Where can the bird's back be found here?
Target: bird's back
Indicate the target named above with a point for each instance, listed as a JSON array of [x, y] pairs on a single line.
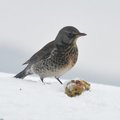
[[41, 54]]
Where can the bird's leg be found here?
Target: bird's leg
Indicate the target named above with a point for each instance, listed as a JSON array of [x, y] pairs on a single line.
[[42, 80], [59, 80]]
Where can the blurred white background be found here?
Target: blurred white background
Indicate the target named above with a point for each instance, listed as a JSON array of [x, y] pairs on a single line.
[[27, 25]]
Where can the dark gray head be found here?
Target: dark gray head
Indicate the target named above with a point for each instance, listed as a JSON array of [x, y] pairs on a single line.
[[68, 35]]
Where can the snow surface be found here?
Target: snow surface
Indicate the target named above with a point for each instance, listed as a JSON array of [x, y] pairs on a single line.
[[29, 99]]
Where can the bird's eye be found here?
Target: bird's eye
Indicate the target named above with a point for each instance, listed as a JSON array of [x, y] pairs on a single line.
[[70, 35]]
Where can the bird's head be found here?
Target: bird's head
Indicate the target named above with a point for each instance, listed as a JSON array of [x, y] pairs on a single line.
[[68, 35]]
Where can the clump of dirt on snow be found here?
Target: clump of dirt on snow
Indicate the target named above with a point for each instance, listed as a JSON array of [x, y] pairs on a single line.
[[76, 87]]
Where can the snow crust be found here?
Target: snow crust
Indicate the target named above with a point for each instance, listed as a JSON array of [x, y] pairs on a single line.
[[29, 99]]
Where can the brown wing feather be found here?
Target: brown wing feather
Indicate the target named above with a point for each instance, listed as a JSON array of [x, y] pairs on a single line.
[[42, 53]]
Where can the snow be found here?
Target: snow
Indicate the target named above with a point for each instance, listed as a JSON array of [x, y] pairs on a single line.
[[29, 99]]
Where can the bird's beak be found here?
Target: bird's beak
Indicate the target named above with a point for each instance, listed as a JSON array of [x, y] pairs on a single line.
[[82, 34]]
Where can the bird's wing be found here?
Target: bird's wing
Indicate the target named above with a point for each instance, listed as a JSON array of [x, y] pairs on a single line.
[[44, 53]]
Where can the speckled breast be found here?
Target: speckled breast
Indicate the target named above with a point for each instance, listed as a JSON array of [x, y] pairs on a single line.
[[61, 60]]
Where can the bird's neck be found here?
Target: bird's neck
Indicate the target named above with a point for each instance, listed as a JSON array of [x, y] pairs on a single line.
[[64, 46]]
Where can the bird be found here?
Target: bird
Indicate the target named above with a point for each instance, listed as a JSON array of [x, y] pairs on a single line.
[[55, 58]]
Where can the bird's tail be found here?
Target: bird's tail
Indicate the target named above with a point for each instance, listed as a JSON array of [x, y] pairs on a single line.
[[21, 75]]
